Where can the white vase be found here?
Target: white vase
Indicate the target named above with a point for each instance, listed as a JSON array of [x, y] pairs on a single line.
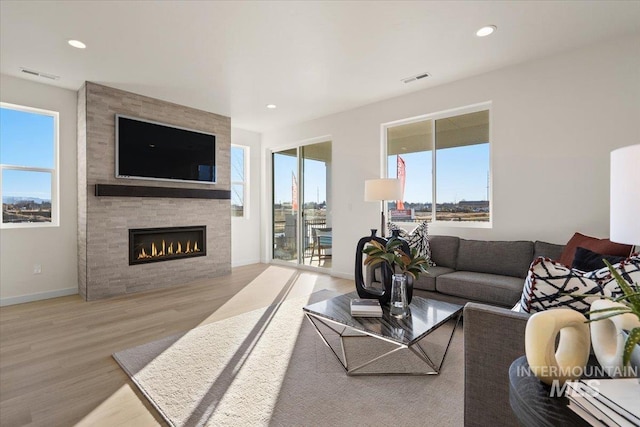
[[568, 361], [608, 340]]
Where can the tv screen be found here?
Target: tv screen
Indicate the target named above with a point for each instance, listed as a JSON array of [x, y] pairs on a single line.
[[150, 150]]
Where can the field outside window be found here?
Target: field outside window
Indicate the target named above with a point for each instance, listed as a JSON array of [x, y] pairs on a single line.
[[28, 166]]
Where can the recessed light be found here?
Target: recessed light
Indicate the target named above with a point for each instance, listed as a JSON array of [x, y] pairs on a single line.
[[485, 31], [272, 106], [77, 44]]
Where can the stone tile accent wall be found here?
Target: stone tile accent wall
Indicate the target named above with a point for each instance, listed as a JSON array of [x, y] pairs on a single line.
[[104, 222]]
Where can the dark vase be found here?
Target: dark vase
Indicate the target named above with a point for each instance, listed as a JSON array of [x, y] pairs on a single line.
[[383, 295]]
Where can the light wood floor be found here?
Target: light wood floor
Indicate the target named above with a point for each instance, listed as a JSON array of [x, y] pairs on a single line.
[[56, 367]]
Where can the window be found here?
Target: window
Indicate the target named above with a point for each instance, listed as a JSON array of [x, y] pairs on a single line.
[[28, 166], [452, 185], [239, 158]]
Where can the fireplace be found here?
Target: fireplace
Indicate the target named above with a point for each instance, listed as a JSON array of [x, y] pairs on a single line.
[[165, 244]]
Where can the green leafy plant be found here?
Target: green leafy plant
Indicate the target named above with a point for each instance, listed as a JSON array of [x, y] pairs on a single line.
[[630, 301], [392, 254]]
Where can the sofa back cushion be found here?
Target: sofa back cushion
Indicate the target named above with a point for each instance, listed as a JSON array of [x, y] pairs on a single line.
[[444, 250], [547, 250], [495, 257]]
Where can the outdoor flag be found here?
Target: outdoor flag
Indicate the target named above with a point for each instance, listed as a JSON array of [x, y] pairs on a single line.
[[401, 176], [294, 192]]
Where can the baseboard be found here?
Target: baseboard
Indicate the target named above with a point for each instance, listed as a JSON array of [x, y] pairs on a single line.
[[348, 276], [245, 262], [37, 297]]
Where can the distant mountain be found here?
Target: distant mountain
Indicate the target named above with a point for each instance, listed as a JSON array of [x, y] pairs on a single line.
[[13, 200]]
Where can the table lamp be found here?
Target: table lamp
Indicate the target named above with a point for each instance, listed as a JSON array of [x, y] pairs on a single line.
[[381, 190], [625, 195]]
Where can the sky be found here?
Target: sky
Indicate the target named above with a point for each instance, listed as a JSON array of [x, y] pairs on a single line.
[[26, 139], [462, 175]]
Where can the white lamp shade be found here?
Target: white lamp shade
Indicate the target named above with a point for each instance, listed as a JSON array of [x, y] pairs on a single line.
[[382, 189], [625, 195]]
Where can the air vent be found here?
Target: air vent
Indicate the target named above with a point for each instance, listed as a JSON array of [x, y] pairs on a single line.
[[39, 74], [416, 77]]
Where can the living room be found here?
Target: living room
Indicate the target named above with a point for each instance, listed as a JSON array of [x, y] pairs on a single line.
[[559, 102]]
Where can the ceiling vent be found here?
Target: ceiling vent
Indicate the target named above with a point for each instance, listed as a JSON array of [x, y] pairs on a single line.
[[39, 74], [416, 77]]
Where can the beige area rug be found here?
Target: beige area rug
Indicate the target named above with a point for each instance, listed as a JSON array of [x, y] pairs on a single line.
[[270, 367]]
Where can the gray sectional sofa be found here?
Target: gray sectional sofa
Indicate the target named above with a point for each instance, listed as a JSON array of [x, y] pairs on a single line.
[[489, 277], [490, 272]]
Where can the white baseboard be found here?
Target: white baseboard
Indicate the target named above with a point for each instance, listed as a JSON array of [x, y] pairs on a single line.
[[245, 262], [348, 276], [37, 297]]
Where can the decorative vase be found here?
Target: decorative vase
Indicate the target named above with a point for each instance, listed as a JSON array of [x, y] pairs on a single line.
[[608, 338], [398, 302], [565, 363], [363, 290]]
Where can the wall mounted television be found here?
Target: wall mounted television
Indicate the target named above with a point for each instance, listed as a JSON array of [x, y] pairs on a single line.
[[157, 151]]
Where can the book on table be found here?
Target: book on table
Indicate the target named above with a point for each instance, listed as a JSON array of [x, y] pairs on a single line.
[[361, 307], [612, 402]]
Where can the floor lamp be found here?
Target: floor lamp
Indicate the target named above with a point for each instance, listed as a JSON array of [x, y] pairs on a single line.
[[625, 195], [381, 190]]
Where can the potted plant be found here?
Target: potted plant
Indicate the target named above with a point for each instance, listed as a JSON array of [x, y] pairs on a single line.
[[402, 262], [628, 302], [393, 255]]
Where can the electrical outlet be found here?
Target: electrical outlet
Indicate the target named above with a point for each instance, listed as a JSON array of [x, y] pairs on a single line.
[[37, 269]]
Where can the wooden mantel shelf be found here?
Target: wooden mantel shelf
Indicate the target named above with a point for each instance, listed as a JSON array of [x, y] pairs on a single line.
[[115, 190]]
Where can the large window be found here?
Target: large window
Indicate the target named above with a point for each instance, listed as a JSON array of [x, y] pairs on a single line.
[[452, 185], [28, 166], [239, 157]]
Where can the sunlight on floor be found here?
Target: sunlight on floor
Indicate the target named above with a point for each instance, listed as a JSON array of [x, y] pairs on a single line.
[[274, 285], [266, 287], [113, 411]]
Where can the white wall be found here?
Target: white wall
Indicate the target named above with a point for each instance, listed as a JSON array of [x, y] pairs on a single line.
[[554, 123], [54, 248], [245, 232]]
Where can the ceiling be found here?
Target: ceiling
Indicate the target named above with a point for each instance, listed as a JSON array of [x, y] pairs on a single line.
[[310, 58]]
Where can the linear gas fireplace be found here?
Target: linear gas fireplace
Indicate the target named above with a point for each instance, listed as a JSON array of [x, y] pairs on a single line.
[[164, 244]]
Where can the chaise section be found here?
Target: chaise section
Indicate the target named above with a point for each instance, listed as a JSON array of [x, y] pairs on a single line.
[[493, 338]]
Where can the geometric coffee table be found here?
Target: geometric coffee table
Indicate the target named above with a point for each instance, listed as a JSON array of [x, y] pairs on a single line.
[[387, 342]]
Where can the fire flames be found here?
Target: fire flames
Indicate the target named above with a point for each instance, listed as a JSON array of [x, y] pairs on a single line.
[[163, 249]]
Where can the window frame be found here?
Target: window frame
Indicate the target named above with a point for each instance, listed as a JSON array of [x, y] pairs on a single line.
[[55, 175], [244, 183], [474, 108]]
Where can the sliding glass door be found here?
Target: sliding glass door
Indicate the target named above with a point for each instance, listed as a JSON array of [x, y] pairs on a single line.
[[302, 232]]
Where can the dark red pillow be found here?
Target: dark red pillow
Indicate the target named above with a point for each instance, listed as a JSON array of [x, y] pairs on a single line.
[[599, 246]]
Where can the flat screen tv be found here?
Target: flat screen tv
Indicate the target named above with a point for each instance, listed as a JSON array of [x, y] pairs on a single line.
[[151, 150]]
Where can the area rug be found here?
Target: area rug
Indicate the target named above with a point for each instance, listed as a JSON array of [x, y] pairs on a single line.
[[270, 367]]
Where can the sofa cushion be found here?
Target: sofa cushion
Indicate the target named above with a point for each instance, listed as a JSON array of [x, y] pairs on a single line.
[[600, 246], [551, 284], [444, 250], [427, 281], [547, 250], [495, 257], [587, 260], [483, 287]]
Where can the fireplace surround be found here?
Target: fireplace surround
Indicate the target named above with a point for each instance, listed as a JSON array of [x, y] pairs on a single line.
[[166, 243]]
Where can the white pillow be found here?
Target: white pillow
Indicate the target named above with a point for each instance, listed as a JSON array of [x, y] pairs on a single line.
[[550, 284], [418, 239]]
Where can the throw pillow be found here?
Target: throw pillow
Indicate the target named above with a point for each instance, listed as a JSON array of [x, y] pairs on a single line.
[[418, 239], [587, 260], [549, 284], [600, 246]]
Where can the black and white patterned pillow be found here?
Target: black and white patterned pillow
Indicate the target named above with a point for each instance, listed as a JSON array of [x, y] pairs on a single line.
[[418, 239], [549, 283]]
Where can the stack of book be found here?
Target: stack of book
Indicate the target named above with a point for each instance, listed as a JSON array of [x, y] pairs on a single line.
[[606, 402], [366, 308]]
